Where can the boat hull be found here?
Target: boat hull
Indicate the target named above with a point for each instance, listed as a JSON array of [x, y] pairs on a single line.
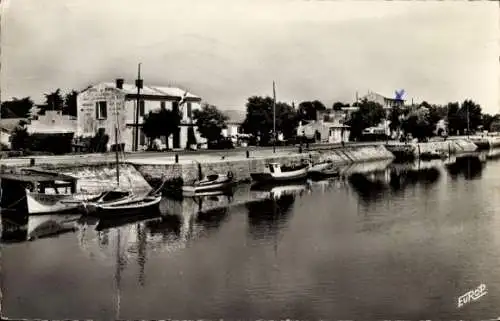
[[40, 203], [132, 207], [207, 186]]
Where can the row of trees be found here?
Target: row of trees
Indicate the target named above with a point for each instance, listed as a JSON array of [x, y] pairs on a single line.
[[57, 100]]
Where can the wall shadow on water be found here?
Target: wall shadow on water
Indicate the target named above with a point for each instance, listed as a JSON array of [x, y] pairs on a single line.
[[468, 167], [394, 180]]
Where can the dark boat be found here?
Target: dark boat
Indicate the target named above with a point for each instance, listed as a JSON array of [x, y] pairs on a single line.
[[322, 170], [214, 182], [136, 205]]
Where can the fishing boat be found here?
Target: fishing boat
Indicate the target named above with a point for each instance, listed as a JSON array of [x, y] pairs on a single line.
[[275, 172], [210, 183], [322, 170], [37, 191]]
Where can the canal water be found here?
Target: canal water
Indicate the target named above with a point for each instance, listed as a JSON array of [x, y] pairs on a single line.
[[388, 241]]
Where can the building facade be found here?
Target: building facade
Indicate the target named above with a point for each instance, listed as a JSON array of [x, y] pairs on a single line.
[[386, 102], [106, 106]]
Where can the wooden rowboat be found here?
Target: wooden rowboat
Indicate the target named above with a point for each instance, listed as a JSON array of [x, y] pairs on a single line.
[[213, 182], [323, 169], [143, 204]]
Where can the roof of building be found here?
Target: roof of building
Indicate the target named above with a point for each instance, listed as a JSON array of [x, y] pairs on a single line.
[[159, 91], [235, 116], [9, 124]]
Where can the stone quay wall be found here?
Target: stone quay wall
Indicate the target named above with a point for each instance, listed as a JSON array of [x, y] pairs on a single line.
[[186, 172]]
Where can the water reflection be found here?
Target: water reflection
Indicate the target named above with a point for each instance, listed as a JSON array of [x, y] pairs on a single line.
[[267, 217], [21, 228], [468, 167], [394, 179]]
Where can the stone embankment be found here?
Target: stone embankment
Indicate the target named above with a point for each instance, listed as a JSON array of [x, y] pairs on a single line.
[[414, 150], [187, 171]]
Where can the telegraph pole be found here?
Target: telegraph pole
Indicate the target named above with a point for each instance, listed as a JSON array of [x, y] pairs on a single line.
[[138, 84], [274, 118]]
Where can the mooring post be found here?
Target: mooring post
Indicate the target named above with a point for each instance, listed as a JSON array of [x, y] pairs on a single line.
[[32, 162], [248, 153], [418, 145], [176, 158], [300, 149]]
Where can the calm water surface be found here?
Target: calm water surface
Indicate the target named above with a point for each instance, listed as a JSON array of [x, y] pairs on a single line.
[[392, 244]]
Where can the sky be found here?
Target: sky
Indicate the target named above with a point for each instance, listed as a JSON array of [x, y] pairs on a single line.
[[228, 50]]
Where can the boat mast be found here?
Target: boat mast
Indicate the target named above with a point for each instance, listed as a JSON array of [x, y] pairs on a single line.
[[274, 118], [118, 274], [116, 146], [138, 84]]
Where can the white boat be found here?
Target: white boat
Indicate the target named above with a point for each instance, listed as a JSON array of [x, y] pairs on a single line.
[[44, 203], [275, 172], [142, 204], [215, 182]]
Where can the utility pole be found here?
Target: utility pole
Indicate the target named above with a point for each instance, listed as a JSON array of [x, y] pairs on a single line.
[[274, 118], [467, 121], [138, 84]]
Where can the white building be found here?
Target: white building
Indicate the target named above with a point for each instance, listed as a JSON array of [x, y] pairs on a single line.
[[234, 122], [53, 122], [329, 128], [108, 105]]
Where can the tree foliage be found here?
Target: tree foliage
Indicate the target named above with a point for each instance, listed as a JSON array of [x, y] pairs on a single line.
[[259, 118], [369, 114], [70, 106], [308, 110], [339, 105], [161, 123], [53, 101], [210, 122], [17, 108]]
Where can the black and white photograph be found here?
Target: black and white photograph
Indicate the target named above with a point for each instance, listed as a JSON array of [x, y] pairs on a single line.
[[249, 160]]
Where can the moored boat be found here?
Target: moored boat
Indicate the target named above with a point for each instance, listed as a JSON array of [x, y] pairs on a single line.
[[136, 205], [275, 172], [44, 203], [106, 198], [323, 169], [214, 182], [433, 155]]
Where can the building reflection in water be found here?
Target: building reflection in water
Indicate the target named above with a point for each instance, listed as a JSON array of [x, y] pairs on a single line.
[[395, 179]]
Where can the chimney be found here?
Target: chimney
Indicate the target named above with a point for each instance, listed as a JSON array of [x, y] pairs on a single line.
[[119, 83]]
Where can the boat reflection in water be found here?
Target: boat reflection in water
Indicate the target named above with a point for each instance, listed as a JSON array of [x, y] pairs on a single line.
[[468, 166], [266, 217], [21, 228]]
